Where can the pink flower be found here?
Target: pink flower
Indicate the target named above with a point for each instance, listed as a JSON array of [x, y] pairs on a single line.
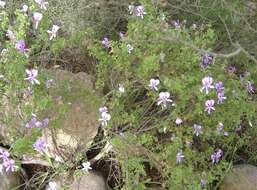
[[154, 83], [31, 76], [209, 106], [52, 33], [164, 98], [140, 11], [206, 84], [42, 4], [37, 17]]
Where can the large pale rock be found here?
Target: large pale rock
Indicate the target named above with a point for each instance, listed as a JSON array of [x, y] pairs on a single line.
[[9, 181], [74, 117], [241, 177], [90, 181]]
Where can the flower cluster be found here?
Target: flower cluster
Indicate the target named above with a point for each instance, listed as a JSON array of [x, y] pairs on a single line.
[[206, 60], [207, 84], [39, 145], [105, 116], [35, 123], [216, 156], [6, 163], [139, 10], [31, 76]]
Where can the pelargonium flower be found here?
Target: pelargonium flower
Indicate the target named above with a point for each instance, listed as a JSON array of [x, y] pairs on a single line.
[[9, 165], [221, 97], [105, 117], [21, 46], [10, 34], [216, 156], [86, 166], [39, 145], [219, 86], [206, 84], [154, 83], [178, 121], [180, 157], [131, 9], [249, 87], [164, 98], [103, 109], [42, 4], [140, 11], [52, 186], [31, 76], [2, 4], [129, 48], [52, 33], [197, 129], [36, 17], [31, 123], [122, 35], [209, 106], [106, 42], [206, 60], [4, 155], [24, 8], [121, 88]]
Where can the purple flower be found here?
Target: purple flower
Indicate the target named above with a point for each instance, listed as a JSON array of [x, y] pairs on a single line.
[[105, 117], [219, 86], [197, 130], [106, 42], [209, 106], [31, 76], [4, 155], [36, 17], [221, 97], [53, 33], [42, 4], [21, 46], [140, 11], [154, 83], [206, 84], [9, 165], [180, 157], [249, 87], [206, 60], [39, 145], [216, 156], [164, 98], [45, 122], [31, 123], [220, 128]]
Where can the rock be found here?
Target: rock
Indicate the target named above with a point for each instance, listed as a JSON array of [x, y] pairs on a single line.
[[90, 181], [74, 116], [9, 181], [241, 177]]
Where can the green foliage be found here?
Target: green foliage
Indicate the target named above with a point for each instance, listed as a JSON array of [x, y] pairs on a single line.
[[172, 55]]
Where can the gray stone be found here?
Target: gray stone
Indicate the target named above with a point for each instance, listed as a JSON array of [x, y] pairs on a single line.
[[9, 181], [241, 177], [90, 181]]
